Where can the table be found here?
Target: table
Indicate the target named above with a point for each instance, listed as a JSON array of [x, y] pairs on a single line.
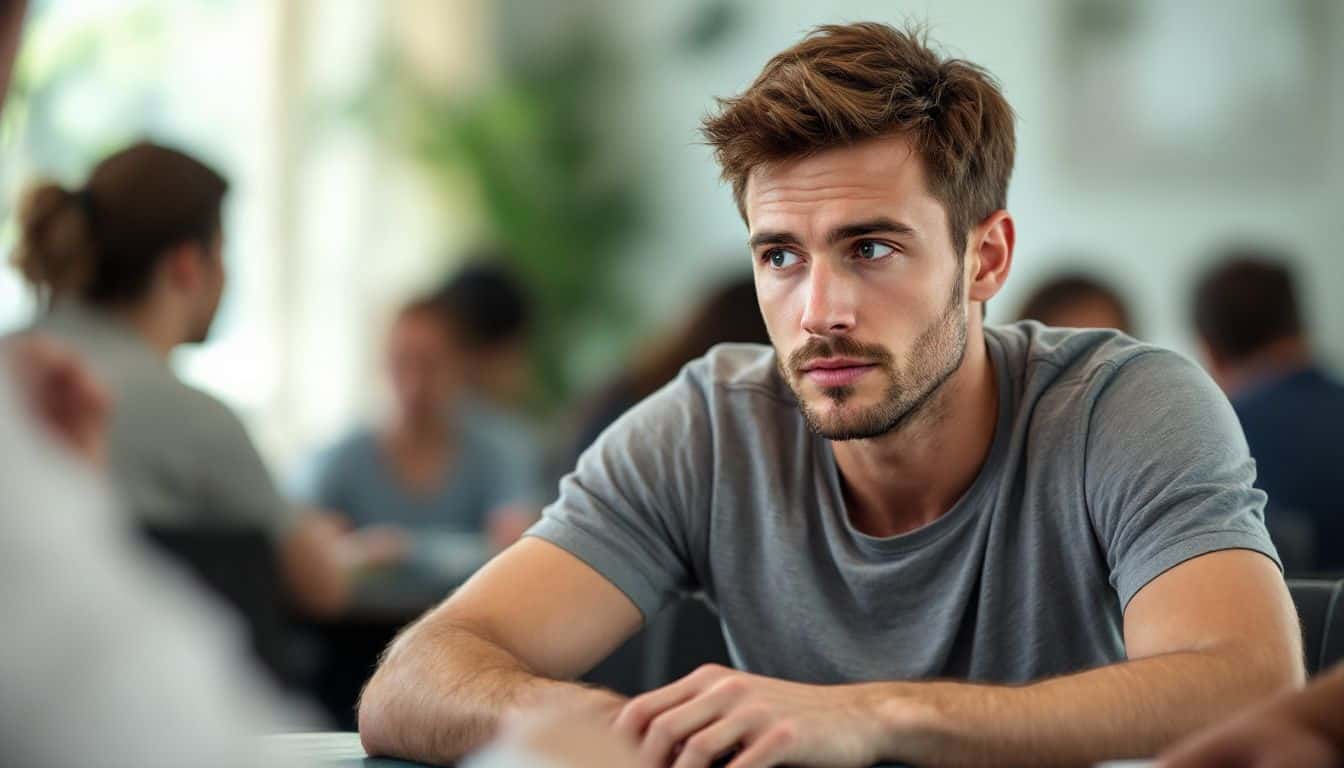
[[337, 749], [342, 750]]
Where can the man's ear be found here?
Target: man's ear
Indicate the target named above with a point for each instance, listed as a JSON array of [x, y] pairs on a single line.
[[181, 265], [990, 255]]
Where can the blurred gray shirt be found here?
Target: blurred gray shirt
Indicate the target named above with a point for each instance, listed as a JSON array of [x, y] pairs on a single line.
[[177, 456], [1112, 462]]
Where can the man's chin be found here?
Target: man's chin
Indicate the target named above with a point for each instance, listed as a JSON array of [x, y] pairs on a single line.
[[849, 420]]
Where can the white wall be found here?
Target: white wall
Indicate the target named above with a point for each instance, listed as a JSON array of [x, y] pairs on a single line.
[[1147, 236]]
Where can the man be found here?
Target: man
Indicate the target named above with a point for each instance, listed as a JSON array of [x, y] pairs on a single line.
[[1302, 730], [1250, 327], [928, 541]]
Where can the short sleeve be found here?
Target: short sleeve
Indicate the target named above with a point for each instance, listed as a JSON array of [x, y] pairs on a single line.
[[630, 506], [236, 486], [1168, 474]]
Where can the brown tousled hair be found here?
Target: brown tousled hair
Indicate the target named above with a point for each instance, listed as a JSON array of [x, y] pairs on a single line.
[[100, 244], [846, 83]]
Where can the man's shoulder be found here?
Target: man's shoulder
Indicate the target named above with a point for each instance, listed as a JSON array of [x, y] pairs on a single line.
[[750, 369], [1044, 357]]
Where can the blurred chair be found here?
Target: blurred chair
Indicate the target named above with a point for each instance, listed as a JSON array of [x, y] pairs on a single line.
[[1294, 535], [1320, 607], [239, 566]]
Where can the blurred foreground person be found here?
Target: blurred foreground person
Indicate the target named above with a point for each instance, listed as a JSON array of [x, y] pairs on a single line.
[[1298, 730], [129, 267], [1077, 301], [1249, 322], [107, 659]]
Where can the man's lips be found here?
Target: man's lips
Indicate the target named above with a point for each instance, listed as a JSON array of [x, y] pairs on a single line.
[[836, 371]]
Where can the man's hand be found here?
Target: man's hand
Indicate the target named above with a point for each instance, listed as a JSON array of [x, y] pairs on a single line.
[[1264, 737], [715, 711]]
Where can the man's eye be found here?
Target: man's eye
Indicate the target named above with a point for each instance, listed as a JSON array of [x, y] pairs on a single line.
[[871, 250], [780, 258]]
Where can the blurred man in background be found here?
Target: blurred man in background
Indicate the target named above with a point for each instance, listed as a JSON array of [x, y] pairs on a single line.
[[1077, 301], [130, 266], [430, 469], [1249, 322]]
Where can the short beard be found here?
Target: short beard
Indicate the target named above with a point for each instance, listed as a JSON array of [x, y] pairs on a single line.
[[936, 354]]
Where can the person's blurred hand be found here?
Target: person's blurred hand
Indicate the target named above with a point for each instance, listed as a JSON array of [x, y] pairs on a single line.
[[378, 546], [1270, 736], [508, 524], [63, 396], [572, 728]]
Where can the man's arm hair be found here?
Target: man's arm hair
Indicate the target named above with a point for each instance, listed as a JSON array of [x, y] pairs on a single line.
[[1204, 640], [533, 617]]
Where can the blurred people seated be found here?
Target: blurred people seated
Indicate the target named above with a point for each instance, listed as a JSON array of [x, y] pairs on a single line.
[[431, 468], [129, 267], [730, 314], [1250, 329], [492, 313], [1077, 301]]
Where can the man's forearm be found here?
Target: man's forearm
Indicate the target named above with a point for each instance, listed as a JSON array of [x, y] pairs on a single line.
[[440, 691], [1132, 709]]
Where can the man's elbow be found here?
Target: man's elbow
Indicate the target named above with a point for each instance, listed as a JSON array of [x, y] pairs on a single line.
[[375, 723]]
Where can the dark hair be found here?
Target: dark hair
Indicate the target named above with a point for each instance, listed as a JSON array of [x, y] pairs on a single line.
[[102, 243], [730, 314], [1065, 291], [1246, 302], [487, 303], [846, 83]]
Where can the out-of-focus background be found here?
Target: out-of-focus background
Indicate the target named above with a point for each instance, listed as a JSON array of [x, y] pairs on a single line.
[[372, 145], [463, 236]]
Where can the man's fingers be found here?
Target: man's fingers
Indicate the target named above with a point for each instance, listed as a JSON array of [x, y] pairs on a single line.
[[641, 710], [766, 750], [680, 723], [709, 744]]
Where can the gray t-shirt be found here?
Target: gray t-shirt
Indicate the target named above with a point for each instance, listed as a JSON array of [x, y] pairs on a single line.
[[177, 456], [1112, 462]]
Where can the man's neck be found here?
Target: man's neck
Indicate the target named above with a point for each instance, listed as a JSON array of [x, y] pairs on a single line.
[[155, 324], [1275, 360], [908, 478]]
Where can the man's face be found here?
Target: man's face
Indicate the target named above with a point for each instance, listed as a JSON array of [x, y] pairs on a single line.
[[422, 365], [859, 284]]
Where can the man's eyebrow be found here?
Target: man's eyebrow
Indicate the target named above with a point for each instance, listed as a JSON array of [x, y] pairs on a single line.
[[839, 234], [869, 227], [772, 238]]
